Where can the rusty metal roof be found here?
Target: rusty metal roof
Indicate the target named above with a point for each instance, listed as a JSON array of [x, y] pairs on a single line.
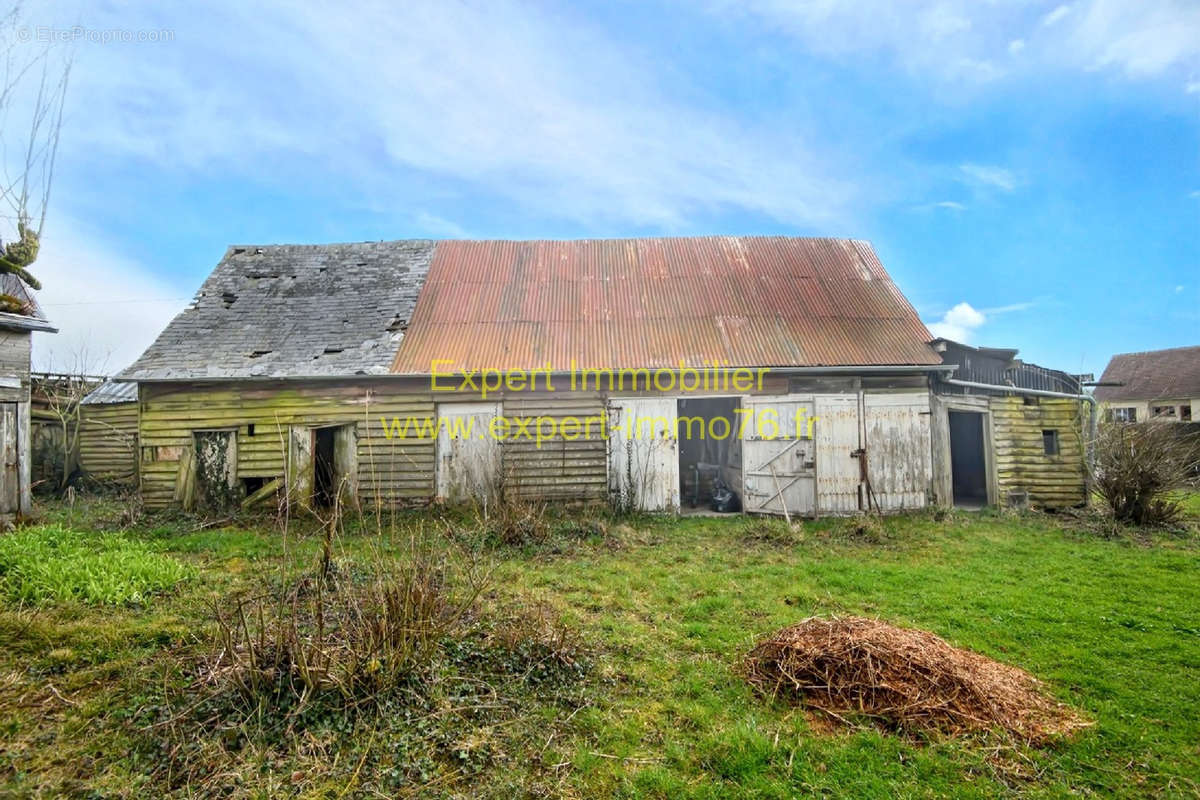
[[743, 301]]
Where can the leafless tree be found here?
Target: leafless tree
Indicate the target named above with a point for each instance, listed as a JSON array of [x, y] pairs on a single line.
[[63, 390], [1139, 466], [33, 88]]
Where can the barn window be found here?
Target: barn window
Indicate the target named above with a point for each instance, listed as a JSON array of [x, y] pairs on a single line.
[[1162, 411], [1185, 413], [1050, 442]]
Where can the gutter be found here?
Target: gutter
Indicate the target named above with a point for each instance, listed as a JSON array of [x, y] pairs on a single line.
[[892, 369], [1087, 398]]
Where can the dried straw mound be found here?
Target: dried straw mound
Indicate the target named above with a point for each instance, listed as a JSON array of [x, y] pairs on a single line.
[[905, 679]]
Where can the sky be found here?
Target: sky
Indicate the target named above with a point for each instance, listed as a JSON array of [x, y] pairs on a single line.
[[1029, 172]]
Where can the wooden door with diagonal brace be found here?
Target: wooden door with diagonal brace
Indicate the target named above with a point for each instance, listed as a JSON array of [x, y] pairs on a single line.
[[778, 456]]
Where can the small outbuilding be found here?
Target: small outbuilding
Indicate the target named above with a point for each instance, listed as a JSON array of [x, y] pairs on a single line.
[[1007, 432]]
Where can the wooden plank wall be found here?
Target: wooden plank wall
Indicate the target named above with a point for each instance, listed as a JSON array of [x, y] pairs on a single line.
[[572, 467], [1021, 462], [108, 442], [395, 469], [391, 470]]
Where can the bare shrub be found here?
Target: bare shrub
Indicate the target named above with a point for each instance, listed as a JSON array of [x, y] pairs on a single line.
[[333, 634], [1138, 465]]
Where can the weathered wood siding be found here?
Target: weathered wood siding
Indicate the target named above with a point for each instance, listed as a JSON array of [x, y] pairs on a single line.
[[108, 442], [392, 469], [1052, 481], [14, 388], [395, 467], [559, 467]]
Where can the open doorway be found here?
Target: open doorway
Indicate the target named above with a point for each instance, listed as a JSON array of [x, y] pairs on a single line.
[[968, 463], [323, 463], [709, 451]]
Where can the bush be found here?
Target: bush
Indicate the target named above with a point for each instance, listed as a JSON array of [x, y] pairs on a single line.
[[335, 635], [1138, 466], [52, 562]]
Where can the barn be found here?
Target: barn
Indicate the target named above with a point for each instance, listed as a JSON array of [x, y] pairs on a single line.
[[645, 372]]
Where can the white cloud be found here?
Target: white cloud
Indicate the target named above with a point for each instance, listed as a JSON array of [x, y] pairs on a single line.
[[950, 39], [506, 99], [1194, 194], [75, 270], [989, 177], [958, 324], [1056, 15], [951, 205], [1179, 289], [1192, 87]]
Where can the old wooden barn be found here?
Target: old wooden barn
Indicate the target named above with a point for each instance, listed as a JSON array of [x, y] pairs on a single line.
[[647, 372]]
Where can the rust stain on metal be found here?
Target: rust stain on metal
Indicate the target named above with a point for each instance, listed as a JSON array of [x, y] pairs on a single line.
[[652, 303]]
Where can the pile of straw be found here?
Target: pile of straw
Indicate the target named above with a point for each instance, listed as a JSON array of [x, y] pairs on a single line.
[[904, 679]]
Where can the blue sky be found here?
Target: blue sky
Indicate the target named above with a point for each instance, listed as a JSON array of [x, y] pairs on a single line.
[[1028, 171]]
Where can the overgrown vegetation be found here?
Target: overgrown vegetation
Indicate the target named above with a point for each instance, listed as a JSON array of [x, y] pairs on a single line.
[[1139, 466], [612, 668], [54, 563]]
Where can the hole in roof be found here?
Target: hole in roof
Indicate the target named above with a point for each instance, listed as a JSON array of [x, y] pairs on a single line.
[[237, 251], [397, 324], [229, 298], [332, 350], [259, 353]]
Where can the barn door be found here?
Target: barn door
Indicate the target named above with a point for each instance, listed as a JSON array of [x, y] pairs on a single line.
[[837, 440], [468, 452], [301, 472], [643, 453], [778, 456], [899, 457], [10, 479], [216, 468]]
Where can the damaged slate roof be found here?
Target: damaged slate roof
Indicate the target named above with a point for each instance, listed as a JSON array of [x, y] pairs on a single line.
[[1152, 375], [292, 311]]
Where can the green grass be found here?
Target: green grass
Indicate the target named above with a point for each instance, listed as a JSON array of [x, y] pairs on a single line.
[[666, 608], [55, 563]]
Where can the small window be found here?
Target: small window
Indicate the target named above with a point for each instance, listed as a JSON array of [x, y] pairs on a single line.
[[1050, 442], [1124, 415], [1162, 411], [1185, 413], [1030, 400]]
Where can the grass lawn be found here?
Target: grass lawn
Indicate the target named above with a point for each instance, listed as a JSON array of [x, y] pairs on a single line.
[[95, 688]]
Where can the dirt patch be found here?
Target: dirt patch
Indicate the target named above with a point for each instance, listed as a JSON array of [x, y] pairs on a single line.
[[903, 678]]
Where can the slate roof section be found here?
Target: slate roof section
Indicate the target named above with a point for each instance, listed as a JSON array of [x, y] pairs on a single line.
[[112, 392], [740, 301], [1152, 375], [293, 311], [35, 320]]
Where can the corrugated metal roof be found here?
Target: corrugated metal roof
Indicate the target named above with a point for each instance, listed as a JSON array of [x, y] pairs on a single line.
[[112, 392], [651, 303]]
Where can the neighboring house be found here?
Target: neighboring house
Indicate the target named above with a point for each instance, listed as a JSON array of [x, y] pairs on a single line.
[[108, 434], [359, 370], [1016, 436], [1156, 384], [16, 331]]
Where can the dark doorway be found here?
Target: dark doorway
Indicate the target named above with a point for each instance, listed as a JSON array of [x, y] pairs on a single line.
[[707, 431], [324, 466], [968, 468]]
